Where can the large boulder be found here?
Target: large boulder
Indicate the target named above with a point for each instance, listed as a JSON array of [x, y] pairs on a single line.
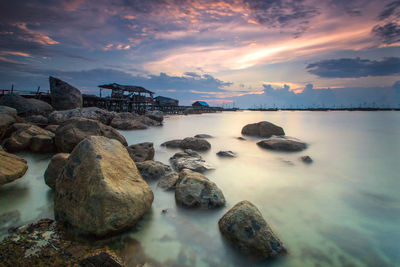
[[8, 110], [100, 190], [196, 191], [262, 129], [64, 96], [54, 169], [12, 167], [152, 170], [155, 115], [246, 229], [282, 144], [48, 243], [148, 121], [197, 144], [21, 139], [127, 124], [141, 152], [74, 130], [191, 160], [93, 113], [26, 106]]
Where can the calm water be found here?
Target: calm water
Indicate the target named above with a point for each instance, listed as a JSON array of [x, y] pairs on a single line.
[[342, 210]]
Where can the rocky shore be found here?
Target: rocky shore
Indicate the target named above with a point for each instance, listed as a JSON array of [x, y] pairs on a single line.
[[100, 182]]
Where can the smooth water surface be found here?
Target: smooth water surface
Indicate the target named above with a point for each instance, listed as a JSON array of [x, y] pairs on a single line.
[[341, 210]]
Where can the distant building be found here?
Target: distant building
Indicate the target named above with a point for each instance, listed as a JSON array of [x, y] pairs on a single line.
[[201, 104], [165, 101]]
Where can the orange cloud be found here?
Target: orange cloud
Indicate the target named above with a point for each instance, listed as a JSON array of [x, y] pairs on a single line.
[[34, 36]]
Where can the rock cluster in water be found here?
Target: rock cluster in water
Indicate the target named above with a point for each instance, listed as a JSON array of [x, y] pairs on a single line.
[[193, 143]]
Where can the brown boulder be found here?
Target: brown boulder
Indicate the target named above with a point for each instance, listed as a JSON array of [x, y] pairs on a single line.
[[54, 169], [141, 152], [12, 167], [64, 96], [262, 129]]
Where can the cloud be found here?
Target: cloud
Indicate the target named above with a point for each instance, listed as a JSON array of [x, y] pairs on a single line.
[[388, 33], [355, 67]]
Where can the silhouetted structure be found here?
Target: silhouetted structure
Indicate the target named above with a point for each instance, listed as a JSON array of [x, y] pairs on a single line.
[[200, 104]]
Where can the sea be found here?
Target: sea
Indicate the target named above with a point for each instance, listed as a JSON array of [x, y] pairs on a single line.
[[341, 210]]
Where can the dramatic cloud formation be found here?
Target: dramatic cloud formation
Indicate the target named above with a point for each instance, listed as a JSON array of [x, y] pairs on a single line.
[[389, 30], [355, 68]]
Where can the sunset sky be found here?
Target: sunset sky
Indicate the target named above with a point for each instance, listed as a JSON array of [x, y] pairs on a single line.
[[242, 52]]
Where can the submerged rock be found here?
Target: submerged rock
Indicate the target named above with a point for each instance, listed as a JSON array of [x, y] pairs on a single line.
[[12, 167], [203, 136], [26, 106], [246, 229], [71, 132], [141, 152], [196, 191], [262, 129], [64, 96], [92, 113], [100, 190], [23, 135], [8, 220], [306, 159], [172, 143], [54, 169], [169, 181], [241, 138], [191, 160], [226, 154], [197, 144], [47, 243], [152, 170], [282, 144]]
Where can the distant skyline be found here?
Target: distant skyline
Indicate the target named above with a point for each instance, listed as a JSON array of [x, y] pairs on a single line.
[[243, 52]]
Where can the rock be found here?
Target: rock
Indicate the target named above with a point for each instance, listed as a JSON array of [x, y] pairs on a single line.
[[195, 190], [92, 113], [155, 115], [226, 154], [48, 243], [54, 169], [262, 129], [12, 167], [26, 106], [21, 139], [246, 229], [64, 96], [148, 121], [241, 138], [152, 170], [141, 152], [193, 143], [42, 144], [127, 124], [172, 143], [100, 190], [52, 128], [74, 130], [203, 136], [39, 120], [191, 160], [169, 181], [8, 110], [6, 121], [306, 159], [282, 144]]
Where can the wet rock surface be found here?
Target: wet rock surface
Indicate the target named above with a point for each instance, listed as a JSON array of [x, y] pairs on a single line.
[[287, 144], [141, 152], [100, 191], [54, 169], [152, 170], [193, 143], [12, 167], [246, 229], [189, 159], [196, 191], [168, 182], [74, 130], [262, 129]]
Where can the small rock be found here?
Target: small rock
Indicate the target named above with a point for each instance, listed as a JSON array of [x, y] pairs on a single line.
[[226, 154], [12, 167], [54, 169], [164, 211], [152, 170], [262, 129], [203, 136], [191, 160], [172, 143], [141, 152], [169, 181], [306, 159], [282, 144], [241, 138], [196, 191], [197, 144], [246, 229]]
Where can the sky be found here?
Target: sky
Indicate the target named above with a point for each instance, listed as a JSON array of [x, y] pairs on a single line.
[[242, 53]]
